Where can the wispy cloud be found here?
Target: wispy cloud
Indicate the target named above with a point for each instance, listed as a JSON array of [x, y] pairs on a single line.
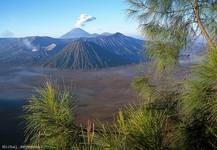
[[7, 33], [83, 19]]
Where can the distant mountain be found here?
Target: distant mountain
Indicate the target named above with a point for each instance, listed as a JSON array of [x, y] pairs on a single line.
[[95, 34], [106, 34], [76, 33], [123, 46], [84, 55], [99, 52], [28, 50], [75, 53]]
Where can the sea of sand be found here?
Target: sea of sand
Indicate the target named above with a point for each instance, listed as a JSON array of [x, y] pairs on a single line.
[[98, 94]]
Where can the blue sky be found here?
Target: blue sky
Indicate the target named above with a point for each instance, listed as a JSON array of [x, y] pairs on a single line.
[[56, 17]]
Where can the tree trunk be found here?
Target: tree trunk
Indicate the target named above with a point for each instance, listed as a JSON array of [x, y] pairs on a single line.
[[200, 24]]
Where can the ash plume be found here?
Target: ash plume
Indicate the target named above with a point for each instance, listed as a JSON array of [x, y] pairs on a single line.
[[83, 19]]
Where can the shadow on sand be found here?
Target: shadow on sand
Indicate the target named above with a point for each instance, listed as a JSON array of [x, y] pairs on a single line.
[[11, 124]]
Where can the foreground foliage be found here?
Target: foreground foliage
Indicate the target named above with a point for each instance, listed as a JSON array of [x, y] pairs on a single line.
[[199, 105], [50, 121], [51, 125]]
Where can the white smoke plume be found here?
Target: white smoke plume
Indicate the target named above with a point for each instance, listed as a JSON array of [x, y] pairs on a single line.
[[29, 45], [83, 19]]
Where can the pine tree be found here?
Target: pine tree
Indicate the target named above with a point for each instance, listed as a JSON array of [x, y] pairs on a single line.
[[170, 25]]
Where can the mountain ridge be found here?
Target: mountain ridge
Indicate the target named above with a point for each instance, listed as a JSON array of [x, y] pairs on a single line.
[[80, 33], [113, 50]]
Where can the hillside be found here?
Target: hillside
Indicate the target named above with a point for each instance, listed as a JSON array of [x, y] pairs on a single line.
[[28, 50], [124, 46], [84, 55]]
